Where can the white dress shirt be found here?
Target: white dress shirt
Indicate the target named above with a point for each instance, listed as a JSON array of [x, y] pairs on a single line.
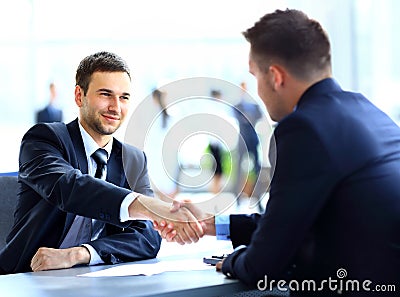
[[90, 147]]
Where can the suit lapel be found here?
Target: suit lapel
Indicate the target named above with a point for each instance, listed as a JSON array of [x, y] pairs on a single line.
[[115, 175], [76, 138]]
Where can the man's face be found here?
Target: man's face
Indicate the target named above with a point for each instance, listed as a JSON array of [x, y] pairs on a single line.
[[269, 82], [105, 105]]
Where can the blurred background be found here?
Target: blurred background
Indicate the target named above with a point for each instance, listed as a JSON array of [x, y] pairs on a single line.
[[43, 41]]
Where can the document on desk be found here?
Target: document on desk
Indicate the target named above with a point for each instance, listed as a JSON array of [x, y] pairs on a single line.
[[150, 268]]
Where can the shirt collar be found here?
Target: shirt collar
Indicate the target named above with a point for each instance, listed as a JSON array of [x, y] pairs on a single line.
[[90, 145]]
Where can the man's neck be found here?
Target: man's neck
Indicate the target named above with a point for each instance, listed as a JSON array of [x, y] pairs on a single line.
[[100, 139]]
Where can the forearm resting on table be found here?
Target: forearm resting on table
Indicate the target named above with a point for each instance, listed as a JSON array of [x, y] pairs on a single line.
[[49, 258]]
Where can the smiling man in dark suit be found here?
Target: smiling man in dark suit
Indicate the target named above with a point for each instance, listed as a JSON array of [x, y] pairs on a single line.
[[334, 203], [68, 215]]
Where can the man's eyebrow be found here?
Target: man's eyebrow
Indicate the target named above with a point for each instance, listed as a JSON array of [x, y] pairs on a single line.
[[104, 90], [110, 91]]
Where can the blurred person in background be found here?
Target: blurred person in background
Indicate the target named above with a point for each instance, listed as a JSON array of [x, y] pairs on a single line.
[[50, 113], [162, 164], [215, 147], [247, 115]]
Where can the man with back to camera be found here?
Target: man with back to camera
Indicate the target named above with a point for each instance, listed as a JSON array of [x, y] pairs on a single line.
[[69, 211], [334, 206]]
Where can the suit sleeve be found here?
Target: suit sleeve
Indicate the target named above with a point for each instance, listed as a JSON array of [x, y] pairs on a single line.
[[247, 224], [45, 166], [302, 182], [138, 240]]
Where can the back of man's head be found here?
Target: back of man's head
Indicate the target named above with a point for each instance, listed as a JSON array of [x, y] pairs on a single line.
[[290, 38]]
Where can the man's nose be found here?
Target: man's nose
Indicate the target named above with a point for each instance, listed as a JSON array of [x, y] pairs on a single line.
[[115, 104]]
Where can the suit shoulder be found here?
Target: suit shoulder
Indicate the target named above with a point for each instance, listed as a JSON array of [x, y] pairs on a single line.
[[132, 150], [57, 128], [55, 134], [298, 119], [129, 150]]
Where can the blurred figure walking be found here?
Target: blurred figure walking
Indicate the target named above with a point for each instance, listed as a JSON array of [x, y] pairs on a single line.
[[247, 115]]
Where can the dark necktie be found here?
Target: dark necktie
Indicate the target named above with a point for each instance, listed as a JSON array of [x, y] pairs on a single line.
[[100, 156]]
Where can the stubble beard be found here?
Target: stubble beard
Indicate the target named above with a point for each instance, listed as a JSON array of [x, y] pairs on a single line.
[[93, 120], [102, 129]]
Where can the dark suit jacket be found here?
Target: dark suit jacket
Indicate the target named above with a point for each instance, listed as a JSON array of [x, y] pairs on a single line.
[[334, 196], [55, 187], [49, 114]]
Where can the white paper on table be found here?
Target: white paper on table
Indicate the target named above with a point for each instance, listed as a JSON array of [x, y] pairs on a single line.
[[150, 268]]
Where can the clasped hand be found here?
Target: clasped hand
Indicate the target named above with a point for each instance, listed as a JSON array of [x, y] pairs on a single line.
[[172, 231]]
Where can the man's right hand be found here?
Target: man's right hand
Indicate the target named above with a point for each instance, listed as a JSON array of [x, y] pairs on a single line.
[[186, 227], [168, 230]]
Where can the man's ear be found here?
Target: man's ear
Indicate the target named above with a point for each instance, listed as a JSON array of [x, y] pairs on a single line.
[[277, 76], [78, 95]]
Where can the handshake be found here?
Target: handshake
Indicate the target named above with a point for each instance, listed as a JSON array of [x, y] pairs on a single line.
[[182, 222]]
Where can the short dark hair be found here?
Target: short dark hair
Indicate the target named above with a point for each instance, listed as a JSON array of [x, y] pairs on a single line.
[[291, 38], [99, 62]]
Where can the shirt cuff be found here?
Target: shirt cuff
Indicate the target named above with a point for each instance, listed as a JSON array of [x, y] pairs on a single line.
[[124, 212], [94, 256], [222, 224]]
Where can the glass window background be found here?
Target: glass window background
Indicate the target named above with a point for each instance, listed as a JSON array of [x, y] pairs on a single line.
[[42, 41]]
